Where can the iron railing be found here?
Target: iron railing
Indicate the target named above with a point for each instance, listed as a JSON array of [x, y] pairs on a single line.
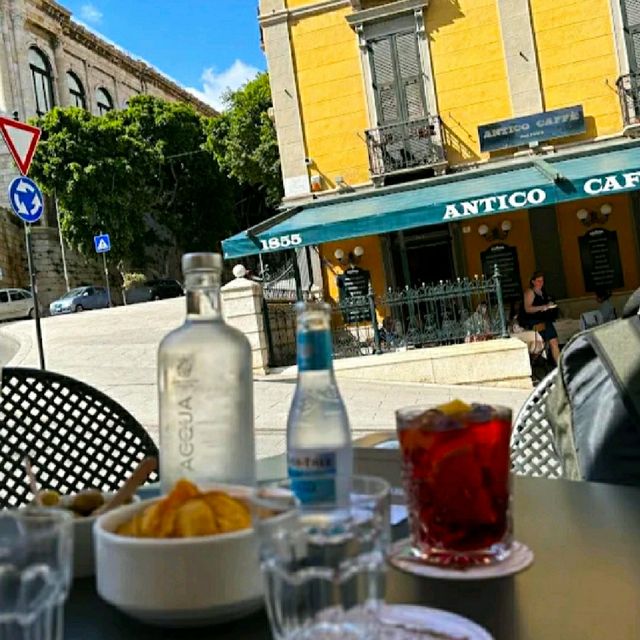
[[406, 145], [629, 93], [464, 310]]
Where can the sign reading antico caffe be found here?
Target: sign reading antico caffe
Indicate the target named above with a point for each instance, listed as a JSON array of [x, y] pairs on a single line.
[[516, 132], [536, 197]]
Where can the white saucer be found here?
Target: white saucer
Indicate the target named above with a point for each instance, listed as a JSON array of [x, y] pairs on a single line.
[[408, 622], [518, 560]]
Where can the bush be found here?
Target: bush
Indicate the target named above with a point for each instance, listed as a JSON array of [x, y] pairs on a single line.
[[132, 280]]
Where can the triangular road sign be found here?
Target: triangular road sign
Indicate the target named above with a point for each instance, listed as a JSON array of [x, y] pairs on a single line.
[[22, 140], [102, 245]]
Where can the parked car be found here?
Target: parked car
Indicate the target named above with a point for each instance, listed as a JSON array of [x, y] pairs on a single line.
[[15, 304], [154, 290], [80, 299], [161, 289]]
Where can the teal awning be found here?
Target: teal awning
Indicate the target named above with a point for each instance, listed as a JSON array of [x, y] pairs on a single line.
[[454, 198]]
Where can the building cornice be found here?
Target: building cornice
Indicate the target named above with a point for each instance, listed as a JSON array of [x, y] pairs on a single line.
[[137, 68], [305, 10], [385, 11]]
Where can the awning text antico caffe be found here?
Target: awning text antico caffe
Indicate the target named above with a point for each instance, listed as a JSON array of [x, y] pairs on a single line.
[[537, 196]]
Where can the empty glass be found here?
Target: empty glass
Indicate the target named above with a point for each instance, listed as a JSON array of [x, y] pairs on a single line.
[[35, 572], [324, 563]]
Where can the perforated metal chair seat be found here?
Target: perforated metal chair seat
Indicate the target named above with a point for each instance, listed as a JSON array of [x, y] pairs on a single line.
[[533, 451], [75, 436]]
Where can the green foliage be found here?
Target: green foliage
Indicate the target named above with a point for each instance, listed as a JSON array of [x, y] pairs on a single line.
[[243, 140], [142, 175], [131, 280]]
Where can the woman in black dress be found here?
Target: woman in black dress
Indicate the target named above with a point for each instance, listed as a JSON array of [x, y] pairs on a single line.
[[540, 309]]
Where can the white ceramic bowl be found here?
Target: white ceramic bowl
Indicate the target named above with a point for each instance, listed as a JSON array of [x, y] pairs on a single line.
[[177, 581]]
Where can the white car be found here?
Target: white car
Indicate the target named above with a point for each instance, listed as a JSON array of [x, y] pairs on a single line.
[[15, 303]]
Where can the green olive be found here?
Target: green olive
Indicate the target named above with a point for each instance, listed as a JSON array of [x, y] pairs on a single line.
[[86, 502], [48, 498]]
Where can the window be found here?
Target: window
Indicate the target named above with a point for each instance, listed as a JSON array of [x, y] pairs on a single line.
[[631, 18], [76, 91], [42, 80], [18, 295], [105, 103], [397, 78], [4, 296]]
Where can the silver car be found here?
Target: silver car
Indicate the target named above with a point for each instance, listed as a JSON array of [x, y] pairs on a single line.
[[80, 299], [15, 303]]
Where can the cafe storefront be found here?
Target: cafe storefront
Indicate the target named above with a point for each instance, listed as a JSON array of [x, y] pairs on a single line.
[[575, 215]]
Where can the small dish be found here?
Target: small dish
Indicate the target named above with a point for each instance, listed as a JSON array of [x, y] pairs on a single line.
[[177, 582]]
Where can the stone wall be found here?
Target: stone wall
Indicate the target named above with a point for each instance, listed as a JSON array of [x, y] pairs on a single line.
[[13, 256]]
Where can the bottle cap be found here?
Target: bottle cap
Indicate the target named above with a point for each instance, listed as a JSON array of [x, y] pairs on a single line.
[[201, 262]]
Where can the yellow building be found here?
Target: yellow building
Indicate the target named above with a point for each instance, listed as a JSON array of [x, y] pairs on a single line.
[[442, 136]]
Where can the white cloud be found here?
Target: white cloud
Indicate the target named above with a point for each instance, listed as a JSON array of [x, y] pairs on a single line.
[[90, 13], [215, 84]]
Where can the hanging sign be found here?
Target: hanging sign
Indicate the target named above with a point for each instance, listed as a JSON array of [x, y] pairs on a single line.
[[535, 128]]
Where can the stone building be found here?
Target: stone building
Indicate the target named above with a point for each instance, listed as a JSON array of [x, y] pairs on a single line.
[[47, 59]]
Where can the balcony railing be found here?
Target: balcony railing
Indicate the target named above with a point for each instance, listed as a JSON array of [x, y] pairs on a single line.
[[407, 145], [629, 92]]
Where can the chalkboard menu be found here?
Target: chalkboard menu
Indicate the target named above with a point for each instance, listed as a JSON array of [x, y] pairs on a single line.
[[506, 258], [600, 258], [353, 286]]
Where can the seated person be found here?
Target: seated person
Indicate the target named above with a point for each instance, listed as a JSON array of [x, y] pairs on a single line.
[[606, 308], [539, 313]]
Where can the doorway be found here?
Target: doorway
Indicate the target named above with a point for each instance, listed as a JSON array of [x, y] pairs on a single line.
[[422, 255]]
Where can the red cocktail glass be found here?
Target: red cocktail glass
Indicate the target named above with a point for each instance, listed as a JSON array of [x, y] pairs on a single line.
[[456, 476]]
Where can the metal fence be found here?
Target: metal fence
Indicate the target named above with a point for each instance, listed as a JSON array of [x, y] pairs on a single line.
[[451, 312]]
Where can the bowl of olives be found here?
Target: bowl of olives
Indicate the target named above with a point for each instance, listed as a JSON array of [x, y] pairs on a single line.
[[84, 506]]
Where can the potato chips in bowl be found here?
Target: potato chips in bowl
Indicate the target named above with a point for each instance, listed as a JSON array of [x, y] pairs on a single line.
[[188, 558]]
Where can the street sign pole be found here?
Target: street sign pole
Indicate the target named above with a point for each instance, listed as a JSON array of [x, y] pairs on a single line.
[[106, 276], [34, 292]]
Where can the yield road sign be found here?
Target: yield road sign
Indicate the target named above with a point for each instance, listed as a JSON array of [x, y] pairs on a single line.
[[26, 199], [21, 139], [102, 243]]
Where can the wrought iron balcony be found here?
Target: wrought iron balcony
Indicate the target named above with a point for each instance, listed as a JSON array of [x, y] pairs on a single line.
[[629, 92], [407, 145]]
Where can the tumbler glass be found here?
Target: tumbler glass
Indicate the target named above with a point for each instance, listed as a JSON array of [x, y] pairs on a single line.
[[455, 469], [324, 563], [36, 547]]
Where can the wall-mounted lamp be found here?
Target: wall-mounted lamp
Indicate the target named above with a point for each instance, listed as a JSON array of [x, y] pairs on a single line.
[[594, 217], [466, 229], [495, 233], [353, 257], [316, 183]]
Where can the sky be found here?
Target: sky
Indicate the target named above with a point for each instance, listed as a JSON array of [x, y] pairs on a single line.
[[207, 46]]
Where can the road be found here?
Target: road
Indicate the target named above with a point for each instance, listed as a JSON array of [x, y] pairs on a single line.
[[115, 351]]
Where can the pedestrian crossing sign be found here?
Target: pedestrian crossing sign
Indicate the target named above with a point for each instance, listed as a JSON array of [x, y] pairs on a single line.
[[102, 243]]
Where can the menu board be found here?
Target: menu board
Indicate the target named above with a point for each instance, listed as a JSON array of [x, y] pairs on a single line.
[[506, 258], [354, 283], [600, 258]]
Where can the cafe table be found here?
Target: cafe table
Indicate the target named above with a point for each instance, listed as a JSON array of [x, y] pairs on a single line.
[[583, 585]]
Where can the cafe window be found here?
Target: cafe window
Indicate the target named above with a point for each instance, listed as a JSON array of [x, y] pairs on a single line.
[[104, 101], [42, 79], [76, 91]]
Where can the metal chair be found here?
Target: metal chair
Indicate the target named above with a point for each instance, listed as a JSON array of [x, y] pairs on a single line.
[[75, 436], [533, 450]]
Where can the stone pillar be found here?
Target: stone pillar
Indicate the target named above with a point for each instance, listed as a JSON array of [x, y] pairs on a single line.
[[242, 309]]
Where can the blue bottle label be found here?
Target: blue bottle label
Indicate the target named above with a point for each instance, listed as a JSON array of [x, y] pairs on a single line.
[[303, 466], [314, 350]]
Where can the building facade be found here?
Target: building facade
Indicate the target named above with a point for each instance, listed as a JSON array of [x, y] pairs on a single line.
[[445, 136], [47, 59]]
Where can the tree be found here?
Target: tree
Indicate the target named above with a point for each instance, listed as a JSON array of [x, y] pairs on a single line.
[[243, 140], [100, 177], [141, 174]]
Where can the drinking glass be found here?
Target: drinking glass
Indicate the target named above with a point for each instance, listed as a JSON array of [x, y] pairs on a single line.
[[324, 563], [35, 572], [455, 470]]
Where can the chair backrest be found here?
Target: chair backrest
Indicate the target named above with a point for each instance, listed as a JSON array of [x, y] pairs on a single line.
[[75, 436], [533, 452]]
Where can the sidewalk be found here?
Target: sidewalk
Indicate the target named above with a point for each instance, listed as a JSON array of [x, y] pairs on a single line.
[[115, 350]]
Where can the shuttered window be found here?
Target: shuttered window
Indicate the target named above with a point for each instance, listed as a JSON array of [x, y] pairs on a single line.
[[631, 17], [397, 78]]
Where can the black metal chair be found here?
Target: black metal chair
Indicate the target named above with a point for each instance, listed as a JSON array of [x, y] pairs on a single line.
[[533, 450], [75, 436]]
